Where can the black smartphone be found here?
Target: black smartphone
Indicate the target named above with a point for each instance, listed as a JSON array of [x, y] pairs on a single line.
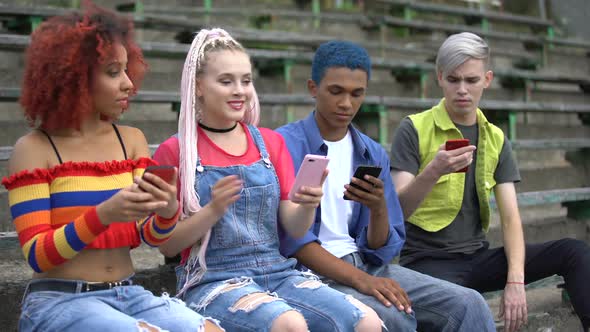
[[360, 173]]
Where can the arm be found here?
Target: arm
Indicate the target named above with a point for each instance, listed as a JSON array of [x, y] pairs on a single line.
[[45, 247], [379, 231], [374, 199], [513, 306], [318, 259], [297, 218], [157, 227], [413, 186], [191, 229]]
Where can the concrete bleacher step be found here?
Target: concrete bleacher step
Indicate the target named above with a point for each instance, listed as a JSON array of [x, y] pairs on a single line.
[[554, 177]]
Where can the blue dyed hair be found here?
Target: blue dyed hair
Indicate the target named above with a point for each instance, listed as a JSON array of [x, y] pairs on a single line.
[[339, 54]]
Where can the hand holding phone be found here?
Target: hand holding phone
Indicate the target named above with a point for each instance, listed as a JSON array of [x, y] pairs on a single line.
[[453, 144], [310, 173], [360, 173]]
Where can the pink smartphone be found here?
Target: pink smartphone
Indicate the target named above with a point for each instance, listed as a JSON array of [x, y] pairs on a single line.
[[310, 173]]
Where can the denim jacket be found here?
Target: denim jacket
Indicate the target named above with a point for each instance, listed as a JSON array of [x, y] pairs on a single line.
[[303, 137]]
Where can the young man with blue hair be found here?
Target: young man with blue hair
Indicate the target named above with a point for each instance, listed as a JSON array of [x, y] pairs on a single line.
[[352, 242]]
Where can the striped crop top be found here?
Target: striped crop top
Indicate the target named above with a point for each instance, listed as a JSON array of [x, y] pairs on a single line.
[[54, 211]]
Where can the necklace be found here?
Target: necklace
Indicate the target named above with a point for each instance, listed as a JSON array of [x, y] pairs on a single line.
[[215, 130]]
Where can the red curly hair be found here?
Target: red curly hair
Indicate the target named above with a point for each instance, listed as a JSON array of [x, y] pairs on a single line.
[[61, 59]]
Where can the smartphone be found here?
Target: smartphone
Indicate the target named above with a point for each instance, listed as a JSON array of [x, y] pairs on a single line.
[[453, 144], [360, 173], [310, 173], [164, 172]]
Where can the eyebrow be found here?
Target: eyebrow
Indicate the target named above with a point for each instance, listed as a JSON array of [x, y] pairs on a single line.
[[342, 88]]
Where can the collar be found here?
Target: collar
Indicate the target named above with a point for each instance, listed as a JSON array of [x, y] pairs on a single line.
[[316, 141]]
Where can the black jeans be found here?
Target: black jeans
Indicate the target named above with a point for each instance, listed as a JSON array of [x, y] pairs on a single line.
[[486, 270]]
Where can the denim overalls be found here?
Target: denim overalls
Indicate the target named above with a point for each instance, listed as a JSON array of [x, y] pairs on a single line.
[[243, 257]]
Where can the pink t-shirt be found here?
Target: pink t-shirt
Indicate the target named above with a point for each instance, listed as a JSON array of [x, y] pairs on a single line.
[[212, 155]]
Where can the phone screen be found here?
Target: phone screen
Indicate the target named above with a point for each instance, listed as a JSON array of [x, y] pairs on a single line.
[[360, 173]]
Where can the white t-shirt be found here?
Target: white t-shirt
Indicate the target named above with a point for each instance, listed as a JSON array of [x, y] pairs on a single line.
[[336, 211]]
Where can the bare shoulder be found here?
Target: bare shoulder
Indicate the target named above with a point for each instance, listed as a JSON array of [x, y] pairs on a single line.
[[135, 141], [30, 152]]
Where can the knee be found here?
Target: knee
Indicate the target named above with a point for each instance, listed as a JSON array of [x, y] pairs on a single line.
[[209, 326], [473, 301], [290, 321], [575, 246], [369, 321]]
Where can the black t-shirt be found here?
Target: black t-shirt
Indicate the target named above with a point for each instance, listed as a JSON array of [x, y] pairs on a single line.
[[465, 233]]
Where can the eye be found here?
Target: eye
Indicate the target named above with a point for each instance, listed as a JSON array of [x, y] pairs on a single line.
[[335, 91], [113, 73], [246, 81], [225, 82], [473, 80], [452, 79]]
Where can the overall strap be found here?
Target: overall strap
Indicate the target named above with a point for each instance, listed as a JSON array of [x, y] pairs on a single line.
[[259, 141]]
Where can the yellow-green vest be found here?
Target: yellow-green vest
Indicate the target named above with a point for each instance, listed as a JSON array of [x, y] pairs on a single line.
[[442, 204]]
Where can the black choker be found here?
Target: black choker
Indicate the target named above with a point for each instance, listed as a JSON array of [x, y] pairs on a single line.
[[215, 130]]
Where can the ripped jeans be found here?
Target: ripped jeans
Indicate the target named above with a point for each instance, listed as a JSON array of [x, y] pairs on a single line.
[[252, 303], [119, 309]]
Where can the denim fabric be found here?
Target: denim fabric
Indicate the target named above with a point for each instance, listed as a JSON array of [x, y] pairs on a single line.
[[438, 305], [119, 309], [243, 258]]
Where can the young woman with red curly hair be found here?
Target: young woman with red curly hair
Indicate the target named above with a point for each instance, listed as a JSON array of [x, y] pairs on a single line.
[[75, 193]]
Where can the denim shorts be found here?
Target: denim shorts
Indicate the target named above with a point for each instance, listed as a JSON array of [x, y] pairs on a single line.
[[121, 308], [324, 309]]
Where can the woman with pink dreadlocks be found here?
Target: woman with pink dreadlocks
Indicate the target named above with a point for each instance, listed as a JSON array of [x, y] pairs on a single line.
[[234, 184]]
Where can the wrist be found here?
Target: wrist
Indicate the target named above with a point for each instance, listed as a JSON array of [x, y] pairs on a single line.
[[171, 211], [515, 283], [170, 216], [431, 173], [102, 213], [357, 278]]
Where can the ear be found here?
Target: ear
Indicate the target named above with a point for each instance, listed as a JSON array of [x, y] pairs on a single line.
[[312, 88], [439, 77], [489, 76]]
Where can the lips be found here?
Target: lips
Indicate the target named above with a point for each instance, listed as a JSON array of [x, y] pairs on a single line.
[[124, 103], [236, 105], [343, 116]]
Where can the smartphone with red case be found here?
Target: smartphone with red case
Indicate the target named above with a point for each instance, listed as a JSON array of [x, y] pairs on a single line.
[[310, 173], [360, 173], [453, 144], [164, 172]]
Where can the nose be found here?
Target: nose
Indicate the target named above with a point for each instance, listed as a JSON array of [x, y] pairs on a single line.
[[345, 102], [462, 88], [238, 89], [126, 84]]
